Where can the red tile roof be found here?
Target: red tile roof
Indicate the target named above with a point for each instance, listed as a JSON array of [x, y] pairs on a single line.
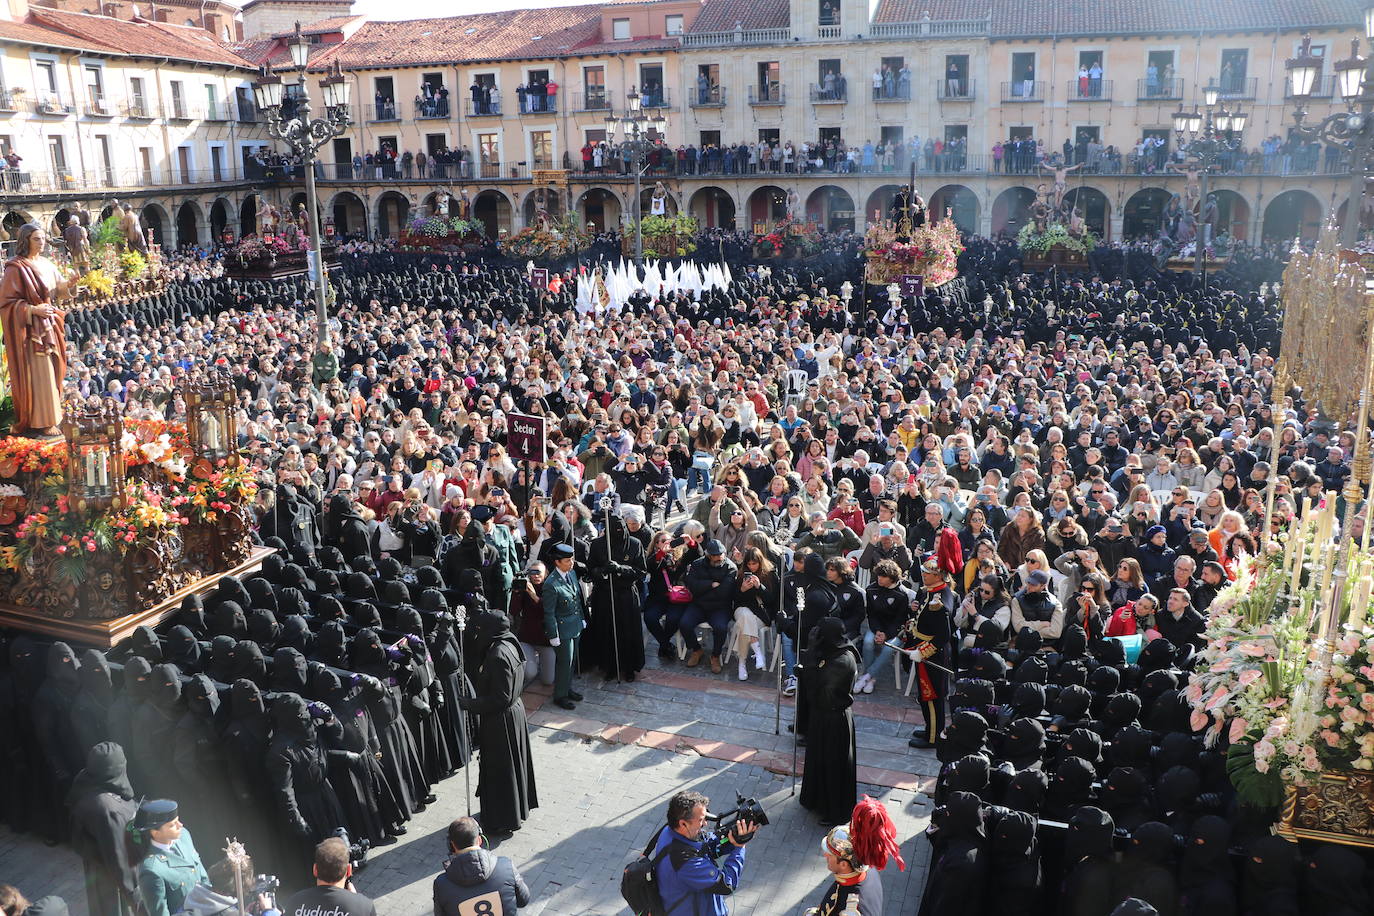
[[135, 39], [506, 35], [28, 33], [722, 15], [1014, 18], [325, 26]]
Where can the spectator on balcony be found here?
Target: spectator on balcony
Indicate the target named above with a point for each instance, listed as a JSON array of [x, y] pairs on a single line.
[[703, 89], [997, 153], [877, 83], [380, 101], [1152, 80], [441, 102], [904, 82], [421, 163], [407, 162], [1084, 90], [522, 95], [828, 85], [478, 92], [954, 81], [1095, 79], [1028, 82], [889, 82], [551, 95], [868, 160]]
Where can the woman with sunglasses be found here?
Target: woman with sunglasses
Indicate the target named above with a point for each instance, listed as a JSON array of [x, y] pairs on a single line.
[[988, 601]]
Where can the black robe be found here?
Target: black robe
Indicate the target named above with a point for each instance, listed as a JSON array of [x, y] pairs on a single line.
[[91, 710], [307, 807], [958, 873], [616, 569], [200, 764], [371, 809], [829, 781], [505, 781], [400, 757], [244, 744], [102, 804]]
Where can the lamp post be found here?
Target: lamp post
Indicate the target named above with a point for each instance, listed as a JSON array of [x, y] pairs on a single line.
[[637, 126], [1347, 130], [305, 136], [1207, 136]]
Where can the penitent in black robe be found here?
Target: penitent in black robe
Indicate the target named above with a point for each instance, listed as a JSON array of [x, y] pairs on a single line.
[[829, 782], [505, 779]]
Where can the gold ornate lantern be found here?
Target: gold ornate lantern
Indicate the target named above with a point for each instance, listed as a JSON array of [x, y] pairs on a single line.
[[210, 416], [95, 479]]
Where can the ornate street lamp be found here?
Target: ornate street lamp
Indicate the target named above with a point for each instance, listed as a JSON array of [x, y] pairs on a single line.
[[305, 137], [1347, 130], [638, 141], [1207, 136]]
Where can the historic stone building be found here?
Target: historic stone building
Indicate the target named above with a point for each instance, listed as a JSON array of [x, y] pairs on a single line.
[[941, 83]]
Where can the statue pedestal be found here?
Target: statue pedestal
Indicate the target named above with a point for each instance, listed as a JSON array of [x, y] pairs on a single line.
[[1335, 810], [102, 634]]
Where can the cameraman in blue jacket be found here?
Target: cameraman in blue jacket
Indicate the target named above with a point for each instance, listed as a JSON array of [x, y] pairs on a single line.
[[690, 881]]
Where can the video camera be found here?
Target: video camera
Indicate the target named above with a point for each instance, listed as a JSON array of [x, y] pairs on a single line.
[[747, 809], [357, 852]]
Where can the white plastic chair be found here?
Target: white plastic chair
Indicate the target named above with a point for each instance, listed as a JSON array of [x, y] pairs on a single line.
[[796, 385], [863, 578]]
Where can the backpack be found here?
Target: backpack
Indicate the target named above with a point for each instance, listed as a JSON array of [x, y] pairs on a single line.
[[639, 881]]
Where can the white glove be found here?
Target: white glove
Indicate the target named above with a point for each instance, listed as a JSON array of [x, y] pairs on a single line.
[[555, 642]]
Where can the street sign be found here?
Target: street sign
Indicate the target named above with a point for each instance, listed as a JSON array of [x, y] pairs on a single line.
[[912, 285], [525, 438]]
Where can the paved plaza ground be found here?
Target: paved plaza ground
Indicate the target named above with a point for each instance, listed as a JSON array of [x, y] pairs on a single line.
[[605, 773]]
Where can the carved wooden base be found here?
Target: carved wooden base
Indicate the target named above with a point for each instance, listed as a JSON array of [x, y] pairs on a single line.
[[1338, 809], [102, 634], [1187, 265]]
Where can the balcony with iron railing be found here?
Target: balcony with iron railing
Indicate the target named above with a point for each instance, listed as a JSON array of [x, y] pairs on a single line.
[[1023, 91], [489, 107], [737, 38], [713, 97], [96, 106], [592, 100], [138, 110], [8, 101], [1159, 89], [1235, 87], [51, 105], [896, 92], [19, 181], [655, 98], [771, 94], [434, 108], [1088, 89], [387, 110], [956, 90], [221, 111], [532, 105], [180, 111], [832, 96]]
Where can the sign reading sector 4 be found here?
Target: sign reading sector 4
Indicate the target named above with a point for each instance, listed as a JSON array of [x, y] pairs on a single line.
[[525, 438]]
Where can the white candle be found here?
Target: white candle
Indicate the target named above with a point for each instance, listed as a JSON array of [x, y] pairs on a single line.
[[103, 465], [1359, 604], [90, 469]]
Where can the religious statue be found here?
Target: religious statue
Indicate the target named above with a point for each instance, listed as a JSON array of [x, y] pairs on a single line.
[[34, 329], [918, 210], [1061, 186], [793, 204], [132, 230], [658, 201], [464, 205], [1077, 226], [1208, 219], [1192, 191], [1173, 211], [440, 206], [303, 221], [601, 296], [77, 239], [1040, 209], [267, 218], [542, 219], [291, 234], [901, 204], [1187, 228]]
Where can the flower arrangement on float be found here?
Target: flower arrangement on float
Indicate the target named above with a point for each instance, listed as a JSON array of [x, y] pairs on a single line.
[[930, 251], [668, 236], [546, 240], [1055, 235]]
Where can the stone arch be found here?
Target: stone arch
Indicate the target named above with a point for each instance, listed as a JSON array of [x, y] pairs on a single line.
[[1143, 214], [219, 218], [298, 200], [495, 211], [13, 220], [713, 207], [767, 204], [189, 220], [391, 213], [349, 214], [248, 216], [646, 206], [1293, 214], [599, 208], [831, 207], [1233, 215], [155, 220], [961, 202], [1097, 209], [879, 203], [553, 203], [59, 222], [1011, 209]]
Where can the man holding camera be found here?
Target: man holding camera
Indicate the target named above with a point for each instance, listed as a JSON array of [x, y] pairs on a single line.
[[333, 892], [689, 879]]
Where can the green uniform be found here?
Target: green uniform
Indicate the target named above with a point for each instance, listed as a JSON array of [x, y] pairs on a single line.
[[166, 876], [564, 619]]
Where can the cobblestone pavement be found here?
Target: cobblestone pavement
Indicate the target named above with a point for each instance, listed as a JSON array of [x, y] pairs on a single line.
[[605, 773]]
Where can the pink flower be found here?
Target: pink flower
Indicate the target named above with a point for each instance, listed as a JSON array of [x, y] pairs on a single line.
[[1194, 693], [1331, 738], [1253, 650], [1249, 677], [1198, 720], [1223, 665], [1217, 699], [1327, 721], [1238, 729], [1351, 714]]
